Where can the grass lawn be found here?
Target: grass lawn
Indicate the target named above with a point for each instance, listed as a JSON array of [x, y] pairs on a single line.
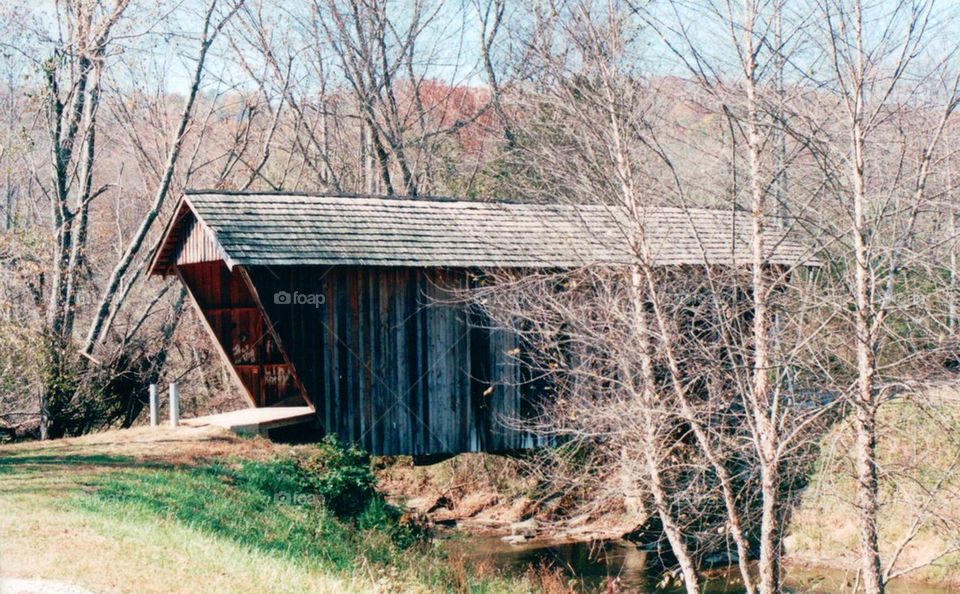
[[200, 510]]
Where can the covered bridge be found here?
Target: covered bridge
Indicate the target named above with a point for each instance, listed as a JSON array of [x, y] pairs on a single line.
[[343, 303]]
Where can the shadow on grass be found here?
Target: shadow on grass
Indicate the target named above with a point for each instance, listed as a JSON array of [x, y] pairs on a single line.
[[266, 506], [15, 459], [14, 463], [58, 474]]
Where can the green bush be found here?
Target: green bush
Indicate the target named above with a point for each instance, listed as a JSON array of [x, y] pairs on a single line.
[[342, 476]]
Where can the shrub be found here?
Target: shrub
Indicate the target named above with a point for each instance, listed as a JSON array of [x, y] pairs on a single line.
[[341, 476]]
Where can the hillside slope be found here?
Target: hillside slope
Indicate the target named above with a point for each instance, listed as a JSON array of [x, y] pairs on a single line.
[[919, 459], [201, 510]]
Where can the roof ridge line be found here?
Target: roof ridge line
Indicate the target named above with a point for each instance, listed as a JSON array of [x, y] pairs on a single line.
[[349, 195], [451, 200]]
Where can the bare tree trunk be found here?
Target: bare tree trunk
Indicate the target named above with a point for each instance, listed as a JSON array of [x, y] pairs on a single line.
[[780, 121], [642, 331], [490, 24], [691, 580], [762, 396], [865, 402], [77, 260], [866, 409], [652, 441], [98, 327], [700, 432], [8, 204], [867, 492], [952, 296], [72, 130], [369, 167]]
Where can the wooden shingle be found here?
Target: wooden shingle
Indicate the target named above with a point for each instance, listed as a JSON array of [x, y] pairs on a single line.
[[299, 229]]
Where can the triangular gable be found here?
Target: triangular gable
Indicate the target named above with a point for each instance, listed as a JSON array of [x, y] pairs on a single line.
[[186, 240]]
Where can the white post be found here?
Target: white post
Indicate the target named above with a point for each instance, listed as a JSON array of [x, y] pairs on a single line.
[[174, 405], [154, 406]]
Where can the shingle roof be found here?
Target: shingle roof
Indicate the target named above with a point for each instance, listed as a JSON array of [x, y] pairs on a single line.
[[297, 229]]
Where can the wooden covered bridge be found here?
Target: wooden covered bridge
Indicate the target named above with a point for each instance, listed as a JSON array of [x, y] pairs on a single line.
[[343, 303]]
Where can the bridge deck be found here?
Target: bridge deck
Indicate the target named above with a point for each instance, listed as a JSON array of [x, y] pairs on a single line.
[[255, 420]]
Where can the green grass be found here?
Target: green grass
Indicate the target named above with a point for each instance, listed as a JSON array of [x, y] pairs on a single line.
[[89, 515], [266, 505]]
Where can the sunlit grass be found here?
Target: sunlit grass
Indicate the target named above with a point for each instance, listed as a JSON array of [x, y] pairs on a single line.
[[115, 523]]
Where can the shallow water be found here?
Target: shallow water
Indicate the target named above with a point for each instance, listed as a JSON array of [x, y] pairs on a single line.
[[595, 564]]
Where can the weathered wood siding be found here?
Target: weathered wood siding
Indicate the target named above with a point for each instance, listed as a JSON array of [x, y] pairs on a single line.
[[240, 329], [196, 243], [391, 363]]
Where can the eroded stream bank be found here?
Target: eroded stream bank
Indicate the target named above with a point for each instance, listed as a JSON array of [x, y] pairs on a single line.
[[484, 497]]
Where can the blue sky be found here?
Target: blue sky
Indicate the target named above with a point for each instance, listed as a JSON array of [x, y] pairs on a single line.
[[450, 44]]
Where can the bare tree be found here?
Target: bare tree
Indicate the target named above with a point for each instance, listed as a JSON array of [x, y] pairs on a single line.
[[607, 120], [875, 77], [212, 25], [87, 105], [73, 80]]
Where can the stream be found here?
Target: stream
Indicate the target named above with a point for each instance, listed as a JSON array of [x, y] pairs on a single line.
[[593, 564]]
